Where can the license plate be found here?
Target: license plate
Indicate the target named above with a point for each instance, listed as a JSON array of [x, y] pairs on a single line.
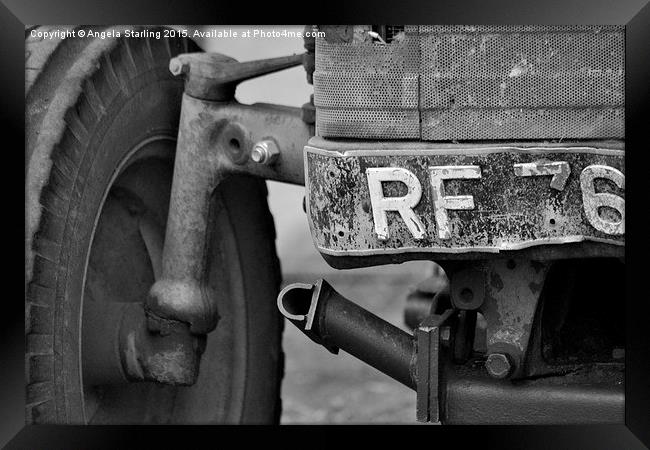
[[453, 199]]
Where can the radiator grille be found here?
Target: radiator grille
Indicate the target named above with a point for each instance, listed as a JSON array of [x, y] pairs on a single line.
[[368, 91], [474, 83]]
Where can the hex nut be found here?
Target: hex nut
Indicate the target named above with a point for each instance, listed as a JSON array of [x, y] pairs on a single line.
[[265, 152], [498, 365]]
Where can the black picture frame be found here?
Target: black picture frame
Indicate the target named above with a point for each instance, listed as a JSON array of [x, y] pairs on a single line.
[[634, 14]]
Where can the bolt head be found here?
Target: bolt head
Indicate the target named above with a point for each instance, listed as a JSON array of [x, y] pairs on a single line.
[[178, 67], [498, 365], [265, 152], [466, 295]]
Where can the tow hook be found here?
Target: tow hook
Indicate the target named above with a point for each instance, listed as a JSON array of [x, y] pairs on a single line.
[[331, 320]]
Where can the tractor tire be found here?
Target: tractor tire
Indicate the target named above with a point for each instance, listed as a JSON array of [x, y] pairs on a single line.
[[102, 120]]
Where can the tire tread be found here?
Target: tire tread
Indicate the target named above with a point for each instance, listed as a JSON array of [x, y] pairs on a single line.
[[61, 189], [98, 89]]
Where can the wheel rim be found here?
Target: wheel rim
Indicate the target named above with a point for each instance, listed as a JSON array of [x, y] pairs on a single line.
[[123, 261]]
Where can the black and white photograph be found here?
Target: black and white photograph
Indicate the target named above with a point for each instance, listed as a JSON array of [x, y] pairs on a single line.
[[327, 225]]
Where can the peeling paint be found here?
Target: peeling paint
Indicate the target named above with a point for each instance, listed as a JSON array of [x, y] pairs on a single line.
[[510, 304], [507, 210]]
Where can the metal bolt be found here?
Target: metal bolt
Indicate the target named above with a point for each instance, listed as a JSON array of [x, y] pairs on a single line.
[[178, 67], [265, 152], [466, 295], [498, 365]]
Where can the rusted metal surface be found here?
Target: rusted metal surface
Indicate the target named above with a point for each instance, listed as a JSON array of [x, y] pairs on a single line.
[[214, 76], [119, 347], [170, 356], [604, 210], [331, 320], [429, 358], [460, 199], [498, 365], [215, 140], [512, 289], [472, 397], [468, 287], [454, 82], [476, 389]]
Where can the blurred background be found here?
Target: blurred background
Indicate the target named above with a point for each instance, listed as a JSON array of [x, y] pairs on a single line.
[[319, 387]]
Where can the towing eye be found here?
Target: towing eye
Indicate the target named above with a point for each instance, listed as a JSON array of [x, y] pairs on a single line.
[[331, 320], [163, 338]]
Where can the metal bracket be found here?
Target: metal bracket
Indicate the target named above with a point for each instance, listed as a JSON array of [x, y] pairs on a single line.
[[512, 292], [216, 138], [212, 76]]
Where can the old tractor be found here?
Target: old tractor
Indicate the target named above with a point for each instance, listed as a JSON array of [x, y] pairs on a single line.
[[153, 290]]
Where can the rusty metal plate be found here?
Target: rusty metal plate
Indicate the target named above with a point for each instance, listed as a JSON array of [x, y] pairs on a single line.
[[459, 199]]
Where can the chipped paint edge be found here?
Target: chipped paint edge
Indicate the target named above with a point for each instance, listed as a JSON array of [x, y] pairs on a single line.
[[494, 249]]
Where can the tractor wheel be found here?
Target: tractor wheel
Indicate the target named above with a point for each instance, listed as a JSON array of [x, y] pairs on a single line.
[[102, 121]]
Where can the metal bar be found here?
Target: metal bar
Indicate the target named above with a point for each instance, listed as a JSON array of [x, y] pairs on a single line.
[[471, 397], [250, 69], [260, 121], [179, 294], [216, 138], [329, 319], [422, 387], [367, 337], [213, 76], [428, 366], [215, 141]]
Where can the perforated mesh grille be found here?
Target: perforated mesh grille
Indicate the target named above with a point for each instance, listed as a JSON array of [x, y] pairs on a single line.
[[499, 124], [472, 83], [368, 91], [369, 123]]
